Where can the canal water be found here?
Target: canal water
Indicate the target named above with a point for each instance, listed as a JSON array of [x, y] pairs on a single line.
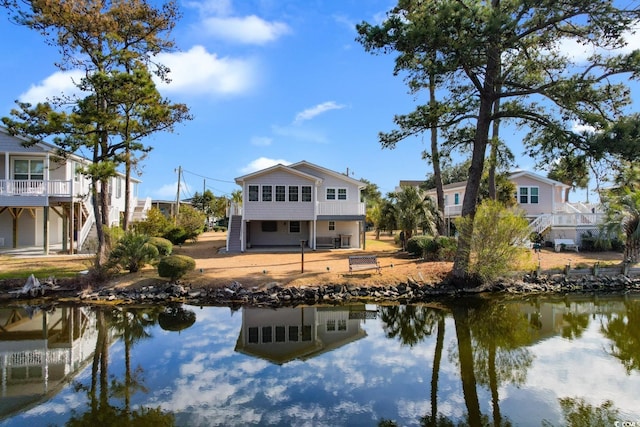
[[523, 362]]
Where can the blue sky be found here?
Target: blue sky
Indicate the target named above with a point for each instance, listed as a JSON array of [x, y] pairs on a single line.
[[267, 81]]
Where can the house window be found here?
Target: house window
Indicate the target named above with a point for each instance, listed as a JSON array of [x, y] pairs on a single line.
[[118, 187], [280, 193], [294, 226], [331, 193], [76, 172], [306, 193], [293, 193], [534, 195], [253, 193], [332, 225], [267, 334], [293, 333], [253, 335], [342, 194], [529, 195], [280, 334], [269, 226], [331, 325], [342, 324], [267, 193], [456, 199], [306, 333], [28, 169]]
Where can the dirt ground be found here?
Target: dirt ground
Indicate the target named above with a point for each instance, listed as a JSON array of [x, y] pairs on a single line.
[[216, 268]]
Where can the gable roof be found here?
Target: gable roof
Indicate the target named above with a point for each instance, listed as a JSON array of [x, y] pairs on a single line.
[[295, 170], [528, 174], [239, 180], [333, 173]]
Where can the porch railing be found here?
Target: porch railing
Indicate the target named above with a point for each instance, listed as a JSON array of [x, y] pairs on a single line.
[[341, 208], [34, 187]]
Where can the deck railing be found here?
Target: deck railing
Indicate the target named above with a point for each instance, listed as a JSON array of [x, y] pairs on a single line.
[[341, 208], [34, 187]]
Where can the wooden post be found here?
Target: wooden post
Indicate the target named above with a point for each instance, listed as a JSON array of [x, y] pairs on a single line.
[[302, 242], [45, 226]]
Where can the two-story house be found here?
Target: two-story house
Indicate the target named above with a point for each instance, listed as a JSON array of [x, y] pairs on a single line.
[[45, 201], [542, 200], [287, 205]]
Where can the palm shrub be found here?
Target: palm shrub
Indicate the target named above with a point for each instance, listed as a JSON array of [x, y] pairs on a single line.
[[133, 251], [496, 244], [623, 219], [164, 246], [174, 267]]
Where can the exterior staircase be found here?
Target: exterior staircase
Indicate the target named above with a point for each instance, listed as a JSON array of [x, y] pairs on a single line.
[[233, 235]]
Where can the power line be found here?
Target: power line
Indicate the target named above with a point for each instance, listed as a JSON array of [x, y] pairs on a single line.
[[206, 177]]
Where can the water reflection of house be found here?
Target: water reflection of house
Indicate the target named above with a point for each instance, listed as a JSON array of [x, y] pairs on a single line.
[[549, 319], [39, 351], [286, 334]]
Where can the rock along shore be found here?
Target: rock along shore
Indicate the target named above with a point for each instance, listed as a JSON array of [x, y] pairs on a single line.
[[276, 295]]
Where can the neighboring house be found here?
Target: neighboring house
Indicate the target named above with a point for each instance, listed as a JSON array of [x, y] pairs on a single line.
[[45, 201], [542, 200], [302, 202]]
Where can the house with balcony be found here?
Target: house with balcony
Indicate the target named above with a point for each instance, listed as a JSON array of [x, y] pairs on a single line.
[[302, 203], [45, 201], [541, 199]]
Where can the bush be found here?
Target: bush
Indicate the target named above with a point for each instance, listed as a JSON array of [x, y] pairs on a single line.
[[155, 225], [417, 244], [175, 266], [164, 246], [133, 251], [176, 235], [446, 248], [496, 244]]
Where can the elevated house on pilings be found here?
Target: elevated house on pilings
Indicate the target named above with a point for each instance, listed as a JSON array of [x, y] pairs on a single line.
[[45, 201], [542, 199]]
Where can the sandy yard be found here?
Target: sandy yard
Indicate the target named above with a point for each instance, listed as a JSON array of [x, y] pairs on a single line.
[[216, 268]]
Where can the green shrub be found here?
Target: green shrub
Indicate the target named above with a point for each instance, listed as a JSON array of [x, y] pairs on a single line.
[[133, 251], [417, 245], [219, 228], [498, 233], [164, 246], [176, 235], [446, 248], [175, 266], [154, 225]]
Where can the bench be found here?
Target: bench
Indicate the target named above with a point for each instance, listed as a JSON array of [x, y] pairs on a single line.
[[363, 262], [568, 244]]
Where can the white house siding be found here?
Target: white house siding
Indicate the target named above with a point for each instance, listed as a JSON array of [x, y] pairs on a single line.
[[278, 210]]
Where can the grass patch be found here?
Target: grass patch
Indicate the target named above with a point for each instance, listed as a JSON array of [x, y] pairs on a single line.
[[22, 268]]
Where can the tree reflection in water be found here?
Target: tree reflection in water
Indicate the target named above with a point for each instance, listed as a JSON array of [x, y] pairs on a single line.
[[102, 412], [624, 333], [578, 413]]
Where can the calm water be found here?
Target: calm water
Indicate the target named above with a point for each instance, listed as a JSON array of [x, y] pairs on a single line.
[[537, 362]]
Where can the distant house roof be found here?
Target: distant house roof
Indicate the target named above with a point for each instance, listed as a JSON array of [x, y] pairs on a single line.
[[512, 175]]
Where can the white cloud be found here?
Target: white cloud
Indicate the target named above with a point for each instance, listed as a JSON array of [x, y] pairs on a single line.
[[262, 163], [261, 141], [314, 111], [299, 134], [247, 30], [168, 191], [211, 7], [582, 128], [200, 72], [579, 53], [57, 84]]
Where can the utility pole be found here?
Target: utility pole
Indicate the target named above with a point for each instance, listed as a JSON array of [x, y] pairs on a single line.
[[178, 195]]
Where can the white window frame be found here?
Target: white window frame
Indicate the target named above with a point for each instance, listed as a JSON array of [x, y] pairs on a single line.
[[456, 199], [295, 196], [256, 192], [331, 194], [302, 193], [292, 229], [269, 193], [281, 193], [526, 195], [342, 194], [332, 226], [29, 172]]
